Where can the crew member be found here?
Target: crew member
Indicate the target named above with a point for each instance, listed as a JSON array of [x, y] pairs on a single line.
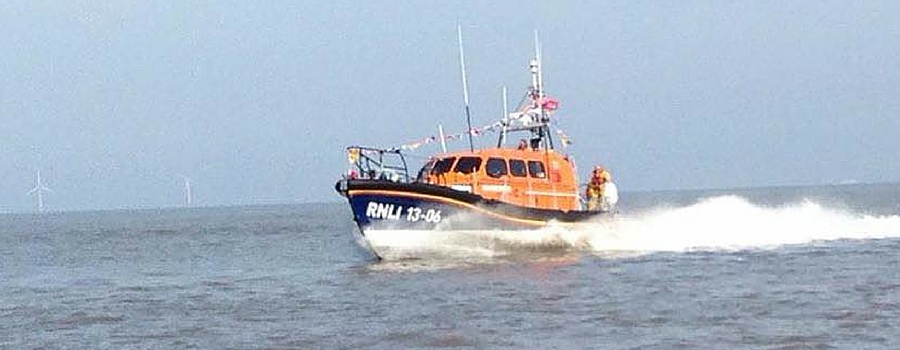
[[594, 192], [522, 145]]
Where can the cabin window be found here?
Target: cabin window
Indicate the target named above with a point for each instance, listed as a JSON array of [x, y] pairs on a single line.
[[423, 174], [495, 167], [517, 168], [442, 166], [536, 169], [468, 165]]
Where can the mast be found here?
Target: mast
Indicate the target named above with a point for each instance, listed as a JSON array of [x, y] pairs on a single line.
[[462, 65], [443, 140], [544, 131], [540, 77], [534, 109], [504, 120]]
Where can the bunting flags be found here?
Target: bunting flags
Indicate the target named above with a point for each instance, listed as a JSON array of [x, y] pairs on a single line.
[[476, 131], [549, 104]]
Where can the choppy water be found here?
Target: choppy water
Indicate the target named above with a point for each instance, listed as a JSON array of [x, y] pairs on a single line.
[[775, 268]]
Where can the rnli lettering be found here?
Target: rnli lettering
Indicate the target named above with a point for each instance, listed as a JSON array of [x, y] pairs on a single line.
[[377, 210], [385, 211]]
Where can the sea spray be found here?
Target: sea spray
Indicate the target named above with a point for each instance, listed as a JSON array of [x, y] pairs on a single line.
[[716, 223], [732, 222]]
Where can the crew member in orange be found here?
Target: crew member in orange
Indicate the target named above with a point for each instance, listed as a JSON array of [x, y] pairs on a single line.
[[594, 192], [522, 145]]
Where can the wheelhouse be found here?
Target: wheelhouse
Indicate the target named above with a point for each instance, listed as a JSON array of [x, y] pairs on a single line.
[[530, 178]]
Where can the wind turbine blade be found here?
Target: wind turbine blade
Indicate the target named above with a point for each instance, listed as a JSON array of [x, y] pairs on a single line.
[[33, 190], [45, 188]]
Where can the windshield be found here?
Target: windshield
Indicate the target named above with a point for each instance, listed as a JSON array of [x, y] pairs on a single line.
[[468, 165], [426, 169], [443, 166]]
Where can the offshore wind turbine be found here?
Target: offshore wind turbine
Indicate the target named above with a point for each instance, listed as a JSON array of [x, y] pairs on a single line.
[[39, 189], [188, 194]]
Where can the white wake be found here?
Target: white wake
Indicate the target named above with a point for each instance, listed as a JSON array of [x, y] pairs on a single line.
[[731, 222], [717, 223]]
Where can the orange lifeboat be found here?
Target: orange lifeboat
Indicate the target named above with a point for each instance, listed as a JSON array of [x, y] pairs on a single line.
[[527, 186]]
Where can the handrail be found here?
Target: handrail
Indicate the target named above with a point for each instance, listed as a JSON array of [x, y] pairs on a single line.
[[372, 163]]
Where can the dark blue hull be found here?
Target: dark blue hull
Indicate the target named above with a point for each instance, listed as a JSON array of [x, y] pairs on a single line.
[[418, 206], [405, 212], [397, 217]]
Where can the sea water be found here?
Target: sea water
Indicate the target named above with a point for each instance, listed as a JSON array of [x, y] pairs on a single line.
[[769, 268]]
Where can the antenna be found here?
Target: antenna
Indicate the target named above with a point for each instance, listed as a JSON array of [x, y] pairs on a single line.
[[443, 140], [504, 120], [462, 65], [540, 75], [188, 194], [39, 189], [538, 71]]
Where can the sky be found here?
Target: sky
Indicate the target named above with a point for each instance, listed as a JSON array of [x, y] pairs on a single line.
[[115, 102]]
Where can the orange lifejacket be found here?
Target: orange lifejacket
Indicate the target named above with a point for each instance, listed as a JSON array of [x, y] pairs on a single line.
[[594, 188]]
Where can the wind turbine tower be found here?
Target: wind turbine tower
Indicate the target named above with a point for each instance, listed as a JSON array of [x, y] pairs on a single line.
[[188, 195], [39, 189]]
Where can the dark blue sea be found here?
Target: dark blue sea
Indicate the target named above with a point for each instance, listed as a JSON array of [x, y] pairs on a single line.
[[767, 268]]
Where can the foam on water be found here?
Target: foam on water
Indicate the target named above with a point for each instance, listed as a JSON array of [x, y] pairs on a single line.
[[716, 223], [731, 222]]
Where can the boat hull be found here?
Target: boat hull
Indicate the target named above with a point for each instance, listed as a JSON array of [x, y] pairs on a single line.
[[383, 206]]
